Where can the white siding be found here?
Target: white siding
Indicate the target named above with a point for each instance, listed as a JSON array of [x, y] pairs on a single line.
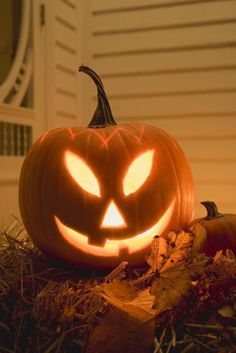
[[31, 116], [173, 64], [64, 33]]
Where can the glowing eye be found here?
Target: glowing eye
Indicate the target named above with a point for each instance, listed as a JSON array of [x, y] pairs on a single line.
[[81, 173], [138, 172]]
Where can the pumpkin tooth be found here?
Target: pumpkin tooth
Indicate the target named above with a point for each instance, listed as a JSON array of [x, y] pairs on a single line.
[[123, 251], [97, 241]]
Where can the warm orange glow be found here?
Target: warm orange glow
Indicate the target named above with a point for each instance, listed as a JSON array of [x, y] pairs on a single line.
[[81, 173], [112, 247], [113, 217], [138, 172]]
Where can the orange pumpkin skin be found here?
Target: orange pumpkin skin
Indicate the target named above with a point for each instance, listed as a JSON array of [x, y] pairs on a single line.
[[65, 221], [220, 230]]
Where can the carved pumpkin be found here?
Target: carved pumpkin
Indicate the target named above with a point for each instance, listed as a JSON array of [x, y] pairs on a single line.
[[97, 195], [220, 230]]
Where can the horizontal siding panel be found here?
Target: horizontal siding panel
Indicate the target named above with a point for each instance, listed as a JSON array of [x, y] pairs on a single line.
[[65, 103], [218, 193], [170, 83], [11, 165], [214, 173], [163, 40], [140, 108], [65, 80], [202, 127], [159, 62], [70, 3], [211, 151], [204, 13], [65, 35], [63, 10], [103, 5], [65, 120], [65, 59], [9, 192]]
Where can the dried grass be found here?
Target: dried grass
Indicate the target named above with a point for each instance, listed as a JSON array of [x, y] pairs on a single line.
[[44, 307]]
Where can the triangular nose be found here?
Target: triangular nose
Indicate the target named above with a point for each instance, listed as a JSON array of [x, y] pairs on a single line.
[[112, 217]]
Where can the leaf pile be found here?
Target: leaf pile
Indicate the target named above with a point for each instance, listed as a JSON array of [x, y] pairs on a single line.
[[191, 301]]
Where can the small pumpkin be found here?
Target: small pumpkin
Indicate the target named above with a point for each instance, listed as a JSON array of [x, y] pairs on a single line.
[[97, 195], [219, 230]]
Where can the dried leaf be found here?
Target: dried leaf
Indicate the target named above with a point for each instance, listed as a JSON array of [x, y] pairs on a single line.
[[215, 286], [124, 297], [198, 264], [227, 263], [181, 250], [159, 253], [166, 253], [226, 311], [119, 290], [172, 236], [170, 288], [121, 333], [143, 301], [184, 240], [200, 235], [230, 254], [218, 255]]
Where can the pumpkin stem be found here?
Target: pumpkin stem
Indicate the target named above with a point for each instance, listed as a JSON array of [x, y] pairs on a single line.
[[103, 116], [212, 210]]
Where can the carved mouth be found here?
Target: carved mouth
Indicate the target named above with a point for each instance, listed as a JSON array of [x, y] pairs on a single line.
[[113, 247]]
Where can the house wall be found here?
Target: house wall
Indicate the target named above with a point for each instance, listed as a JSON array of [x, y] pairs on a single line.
[[43, 95], [169, 63], [22, 113], [172, 63]]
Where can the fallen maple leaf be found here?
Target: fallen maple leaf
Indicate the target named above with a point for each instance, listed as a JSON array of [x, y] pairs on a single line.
[[121, 333]]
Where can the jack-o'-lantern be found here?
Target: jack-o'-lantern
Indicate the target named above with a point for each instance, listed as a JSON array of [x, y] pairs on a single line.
[[97, 195]]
